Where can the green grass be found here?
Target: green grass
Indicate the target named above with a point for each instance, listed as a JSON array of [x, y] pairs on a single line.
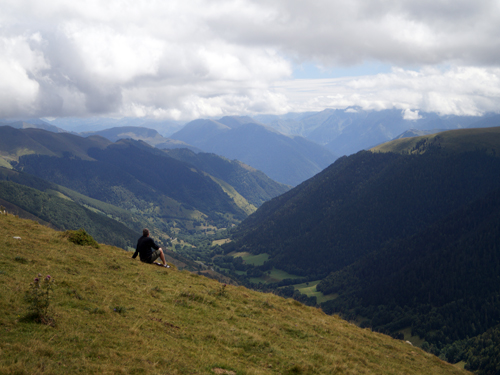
[[5, 163], [220, 242], [256, 260], [115, 315], [415, 340], [239, 200], [274, 276], [309, 289]]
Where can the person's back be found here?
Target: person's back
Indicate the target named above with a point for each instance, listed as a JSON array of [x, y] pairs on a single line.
[[144, 246]]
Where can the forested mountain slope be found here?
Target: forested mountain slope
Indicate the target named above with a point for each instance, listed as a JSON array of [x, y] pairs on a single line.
[[185, 191], [360, 202], [412, 238], [253, 184], [136, 180], [442, 281], [142, 179]]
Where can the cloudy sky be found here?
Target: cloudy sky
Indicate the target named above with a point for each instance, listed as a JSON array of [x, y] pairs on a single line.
[[203, 58]]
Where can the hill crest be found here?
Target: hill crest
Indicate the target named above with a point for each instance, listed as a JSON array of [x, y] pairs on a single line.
[[458, 140]]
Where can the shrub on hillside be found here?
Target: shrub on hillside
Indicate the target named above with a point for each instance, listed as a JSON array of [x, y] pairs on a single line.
[[38, 298], [81, 237]]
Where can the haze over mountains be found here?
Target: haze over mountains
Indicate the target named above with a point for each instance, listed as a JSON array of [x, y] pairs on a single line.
[[346, 131], [286, 159], [149, 136]]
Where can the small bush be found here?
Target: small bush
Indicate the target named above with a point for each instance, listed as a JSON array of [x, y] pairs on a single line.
[[21, 260], [222, 290], [122, 310], [81, 237], [38, 298]]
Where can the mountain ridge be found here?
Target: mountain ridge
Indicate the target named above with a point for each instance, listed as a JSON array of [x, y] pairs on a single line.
[[284, 158]]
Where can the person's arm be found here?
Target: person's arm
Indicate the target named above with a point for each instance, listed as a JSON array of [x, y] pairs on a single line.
[[136, 251], [153, 245]]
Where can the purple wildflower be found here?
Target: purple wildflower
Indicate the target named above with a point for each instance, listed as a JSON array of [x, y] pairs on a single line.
[[36, 279]]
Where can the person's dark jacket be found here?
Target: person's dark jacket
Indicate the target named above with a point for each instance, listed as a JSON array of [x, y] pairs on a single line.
[[143, 248]]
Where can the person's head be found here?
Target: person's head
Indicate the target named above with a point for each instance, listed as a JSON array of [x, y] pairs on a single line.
[[145, 232]]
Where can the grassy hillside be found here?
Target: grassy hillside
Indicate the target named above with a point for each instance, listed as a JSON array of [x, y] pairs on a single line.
[[460, 140], [112, 314], [65, 215]]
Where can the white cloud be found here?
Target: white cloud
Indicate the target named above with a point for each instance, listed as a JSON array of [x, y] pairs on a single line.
[[408, 114], [19, 68], [456, 90], [184, 59]]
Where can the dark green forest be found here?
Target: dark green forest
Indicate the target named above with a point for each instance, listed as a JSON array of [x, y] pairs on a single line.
[[443, 282], [359, 203], [167, 193]]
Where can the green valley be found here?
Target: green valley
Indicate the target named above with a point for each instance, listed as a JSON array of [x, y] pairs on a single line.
[[136, 184]]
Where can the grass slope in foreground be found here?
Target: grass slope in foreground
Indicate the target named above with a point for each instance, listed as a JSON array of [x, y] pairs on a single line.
[[116, 315]]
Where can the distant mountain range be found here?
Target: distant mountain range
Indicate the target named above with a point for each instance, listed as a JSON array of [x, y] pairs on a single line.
[[407, 234], [286, 159], [285, 147], [342, 131], [346, 131], [92, 124], [149, 136], [32, 123]]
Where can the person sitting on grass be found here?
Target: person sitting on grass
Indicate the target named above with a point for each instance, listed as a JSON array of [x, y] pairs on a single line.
[[144, 246]]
